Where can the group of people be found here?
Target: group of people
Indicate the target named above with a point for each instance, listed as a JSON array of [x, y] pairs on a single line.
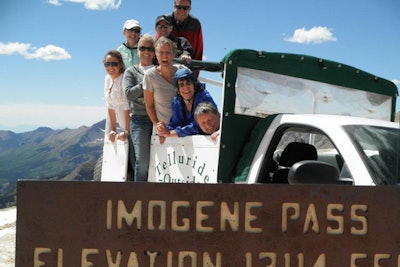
[[147, 93]]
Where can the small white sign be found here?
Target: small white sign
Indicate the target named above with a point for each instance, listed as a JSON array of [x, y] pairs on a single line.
[[191, 159], [115, 161]]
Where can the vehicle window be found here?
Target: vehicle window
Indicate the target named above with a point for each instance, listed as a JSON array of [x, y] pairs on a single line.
[[310, 139], [326, 151], [379, 148]]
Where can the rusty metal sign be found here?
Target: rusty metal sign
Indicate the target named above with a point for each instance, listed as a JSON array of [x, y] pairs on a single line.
[[66, 224]]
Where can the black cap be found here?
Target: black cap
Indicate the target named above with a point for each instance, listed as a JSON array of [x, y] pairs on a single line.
[[163, 18]]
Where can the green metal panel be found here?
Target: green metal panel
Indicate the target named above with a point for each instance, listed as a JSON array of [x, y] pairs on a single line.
[[246, 158]]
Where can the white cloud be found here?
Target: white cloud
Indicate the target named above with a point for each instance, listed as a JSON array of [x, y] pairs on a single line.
[[47, 53], [396, 82], [14, 48], [50, 52], [92, 4], [54, 2], [315, 35], [26, 117]]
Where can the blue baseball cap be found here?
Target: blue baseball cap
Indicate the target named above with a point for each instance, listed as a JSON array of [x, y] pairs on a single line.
[[184, 73]]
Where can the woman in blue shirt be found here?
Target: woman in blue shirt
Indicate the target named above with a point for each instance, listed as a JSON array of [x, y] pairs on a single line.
[[190, 93]]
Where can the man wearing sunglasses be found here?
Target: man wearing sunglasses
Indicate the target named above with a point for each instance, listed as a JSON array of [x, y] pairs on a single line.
[[164, 28], [131, 31], [185, 25]]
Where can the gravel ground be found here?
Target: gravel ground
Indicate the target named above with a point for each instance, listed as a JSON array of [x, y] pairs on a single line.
[[8, 218]]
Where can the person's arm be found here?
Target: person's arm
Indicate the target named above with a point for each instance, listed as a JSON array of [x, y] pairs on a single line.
[[168, 130], [149, 102], [177, 116], [124, 135], [133, 88], [150, 107], [215, 135], [113, 125], [148, 95], [186, 48], [127, 120], [189, 129], [199, 45], [164, 131]]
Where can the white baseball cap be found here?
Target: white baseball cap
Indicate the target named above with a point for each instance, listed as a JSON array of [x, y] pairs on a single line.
[[131, 23]]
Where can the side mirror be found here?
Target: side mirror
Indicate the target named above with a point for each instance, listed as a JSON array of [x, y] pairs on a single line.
[[314, 172]]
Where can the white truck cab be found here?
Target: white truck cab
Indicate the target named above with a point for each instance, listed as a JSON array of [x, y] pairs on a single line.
[[353, 145]]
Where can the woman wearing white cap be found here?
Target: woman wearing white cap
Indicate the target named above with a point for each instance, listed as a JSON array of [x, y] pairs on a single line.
[[131, 30]]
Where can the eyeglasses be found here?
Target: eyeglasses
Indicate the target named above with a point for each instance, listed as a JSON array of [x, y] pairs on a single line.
[[112, 63], [182, 7], [144, 48], [160, 27], [133, 30]]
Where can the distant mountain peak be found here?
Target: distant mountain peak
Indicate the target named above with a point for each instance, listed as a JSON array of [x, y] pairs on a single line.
[[43, 129]]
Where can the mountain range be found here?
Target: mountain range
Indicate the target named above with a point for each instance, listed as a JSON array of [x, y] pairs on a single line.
[[68, 154]]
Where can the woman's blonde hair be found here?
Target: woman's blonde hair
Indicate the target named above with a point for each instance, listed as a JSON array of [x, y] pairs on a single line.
[[163, 40], [146, 38]]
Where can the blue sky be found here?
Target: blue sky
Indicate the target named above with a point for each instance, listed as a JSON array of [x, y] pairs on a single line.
[[51, 51]]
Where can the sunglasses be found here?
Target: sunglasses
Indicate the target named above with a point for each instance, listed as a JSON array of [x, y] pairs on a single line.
[[133, 30], [112, 63], [160, 27], [182, 7], [148, 48]]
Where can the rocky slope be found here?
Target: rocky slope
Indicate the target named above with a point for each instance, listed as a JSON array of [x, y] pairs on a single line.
[[69, 154]]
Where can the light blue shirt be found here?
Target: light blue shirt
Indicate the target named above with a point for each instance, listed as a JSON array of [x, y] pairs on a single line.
[[129, 55]]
